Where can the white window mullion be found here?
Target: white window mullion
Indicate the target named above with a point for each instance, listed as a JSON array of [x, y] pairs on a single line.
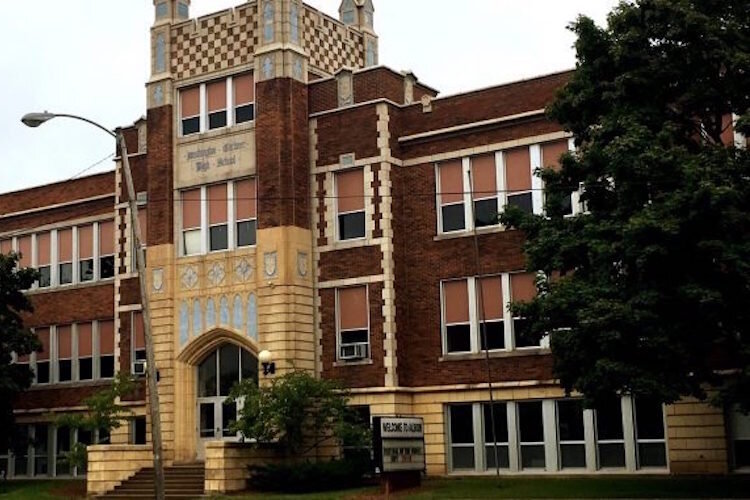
[[204, 217], [96, 251], [471, 283], [628, 428], [54, 276], [74, 265], [438, 198], [230, 101], [502, 196], [468, 202], [478, 436], [74, 352], [203, 108], [589, 436], [53, 377], [549, 418], [34, 258], [231, 217], [510, 343], [514, 450], [537, 193], [95, 355]]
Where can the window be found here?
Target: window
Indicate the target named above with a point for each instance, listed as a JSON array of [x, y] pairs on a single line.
[[571, 437], [218, 229], [244, 98], [42, 357], [531, 434], [65, 256], [518, 178], [190, 106], [245, 199], [496, 444], [64, 354], [350, 203], [85, 351], [484, 190], [610, 437], [522, 289], [649, 432], [86, 253], [40, 447], [21, 460], [217, 104], [551, 153], [491, 325], [456, 316], [353, 323], [62, 444], [451, 196], [138, 430], [216, 93], [43, 258], [138, 337], [739, 425], [191, 221], [6, 246], [106, 349], [106, 250], [461, 419]]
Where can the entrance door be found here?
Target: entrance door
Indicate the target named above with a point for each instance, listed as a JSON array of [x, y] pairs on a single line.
[[217, 374]]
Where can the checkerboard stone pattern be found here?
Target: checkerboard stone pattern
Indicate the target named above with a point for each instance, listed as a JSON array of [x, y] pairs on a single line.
[[214, 43], [331, 45]]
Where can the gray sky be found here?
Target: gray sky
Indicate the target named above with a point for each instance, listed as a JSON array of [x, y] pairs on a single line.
[[90, 57]]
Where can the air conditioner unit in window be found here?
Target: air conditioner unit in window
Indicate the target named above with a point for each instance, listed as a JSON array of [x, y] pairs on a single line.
[[139, 368], [353, 351]]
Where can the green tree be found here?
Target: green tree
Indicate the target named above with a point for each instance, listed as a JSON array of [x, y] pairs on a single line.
[[648, 290], [297, 411], [14, 338]]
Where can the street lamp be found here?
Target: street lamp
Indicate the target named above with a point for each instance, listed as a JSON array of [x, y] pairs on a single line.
[[36, 119]]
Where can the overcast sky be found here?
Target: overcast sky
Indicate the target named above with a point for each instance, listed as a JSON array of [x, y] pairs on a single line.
[[90, 57]]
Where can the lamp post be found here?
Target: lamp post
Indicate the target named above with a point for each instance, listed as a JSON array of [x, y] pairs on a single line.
[[36, 119]]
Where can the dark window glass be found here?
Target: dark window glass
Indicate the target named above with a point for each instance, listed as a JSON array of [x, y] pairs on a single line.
[[63, 446], [522, 201], [454, 218], [652, 455], [207, 377], [249, 366], [42, 372], [742, 453], [501, 423], [85, 369], [649, 419], [64, 370], [107, 366], [459, 338], [140, 354], [139, 430], [502, 456], [228, 417], [485, 212], [45, 277], [358, 417], [355, 337], [107, 267], [609, 421], [462, 424], [572, 456], [530, 422], [85, 437], [66, 273], [567, 205], [229, 368], [41, 460], [495, 332], [244, 113], [206, 424], [611, 455], [523, 336], [191, 125], [86, 270], [352, 226], [246, 233], [104, 437], [570, 420], [217, 120], [219, 237]]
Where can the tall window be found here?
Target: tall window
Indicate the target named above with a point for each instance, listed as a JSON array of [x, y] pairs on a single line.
[[85, 351], [244, 98], [462, 437], [64, 354], [217, 104], [245, 203], [610, 436], [649, 432], [190, 110], [499, 439], [491, 325], [522, 289], [451, 196], [106, 349], [6, 246], [531, 434], [353, 323], [65, 256], [191, 221], [518, 178], [86, 253], [551, 153], [43, 357], [138, 337], [350, 202], [138, 430], [107, 250], [740, 439], [571, 435], [458, 331], [218, 229], [43, 257], [485, 190]]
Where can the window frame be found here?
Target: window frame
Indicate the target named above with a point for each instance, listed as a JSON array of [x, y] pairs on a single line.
[[339, 330], [134, 352], [233, 208], [204, 115], [59, 359], [340, 214]]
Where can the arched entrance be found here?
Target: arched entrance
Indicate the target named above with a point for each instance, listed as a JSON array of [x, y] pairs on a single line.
[[217, 373]]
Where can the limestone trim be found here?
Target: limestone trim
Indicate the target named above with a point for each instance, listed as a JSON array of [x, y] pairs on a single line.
[[58, 225], [57, 205], [471, 125], [199, 347], [457, 387], [363, 280], [452, 155]]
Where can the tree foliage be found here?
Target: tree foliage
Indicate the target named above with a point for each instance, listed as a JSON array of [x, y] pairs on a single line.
[[14, 338], [297, 411], [648, 290]]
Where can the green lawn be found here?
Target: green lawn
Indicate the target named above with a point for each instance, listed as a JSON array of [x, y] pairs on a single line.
[[602, 487], [42, 490]]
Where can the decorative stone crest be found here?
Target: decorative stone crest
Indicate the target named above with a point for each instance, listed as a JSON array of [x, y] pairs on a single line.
[[270, 268], [243, 271], [216, 274], [158, 95], [157, 280], [189, 277], [302, 264], [267, 67], [345, 88]]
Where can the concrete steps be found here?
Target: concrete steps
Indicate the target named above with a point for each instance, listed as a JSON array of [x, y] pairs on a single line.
[[180, 481]]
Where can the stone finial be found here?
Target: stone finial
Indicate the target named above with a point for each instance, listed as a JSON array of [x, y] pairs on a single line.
[[358, 13], [171, 10]]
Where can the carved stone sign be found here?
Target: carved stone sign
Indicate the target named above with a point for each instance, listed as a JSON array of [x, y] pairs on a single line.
[[216, 159]]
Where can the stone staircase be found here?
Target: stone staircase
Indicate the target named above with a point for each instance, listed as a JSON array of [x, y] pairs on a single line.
[[181, 481]]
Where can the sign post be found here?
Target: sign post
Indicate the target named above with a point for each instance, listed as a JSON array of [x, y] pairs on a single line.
[[398, 444]]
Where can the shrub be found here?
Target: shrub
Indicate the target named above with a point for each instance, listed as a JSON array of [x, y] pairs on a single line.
[[305, 477]]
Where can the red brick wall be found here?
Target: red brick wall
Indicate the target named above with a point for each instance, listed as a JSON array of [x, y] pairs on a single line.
[[379, 83], [367, 375], [130, 292], [62, 397], [323, 96], [59, 192], [160, 202], [350, 263], [59, 215], [351, 130], [283, 154], [75, 305]]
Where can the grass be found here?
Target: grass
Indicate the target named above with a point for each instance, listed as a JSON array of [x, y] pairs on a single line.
[[42, 490], [536, 487]]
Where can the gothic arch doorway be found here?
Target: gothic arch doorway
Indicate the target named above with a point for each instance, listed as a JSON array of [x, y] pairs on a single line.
[[217, 373]]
